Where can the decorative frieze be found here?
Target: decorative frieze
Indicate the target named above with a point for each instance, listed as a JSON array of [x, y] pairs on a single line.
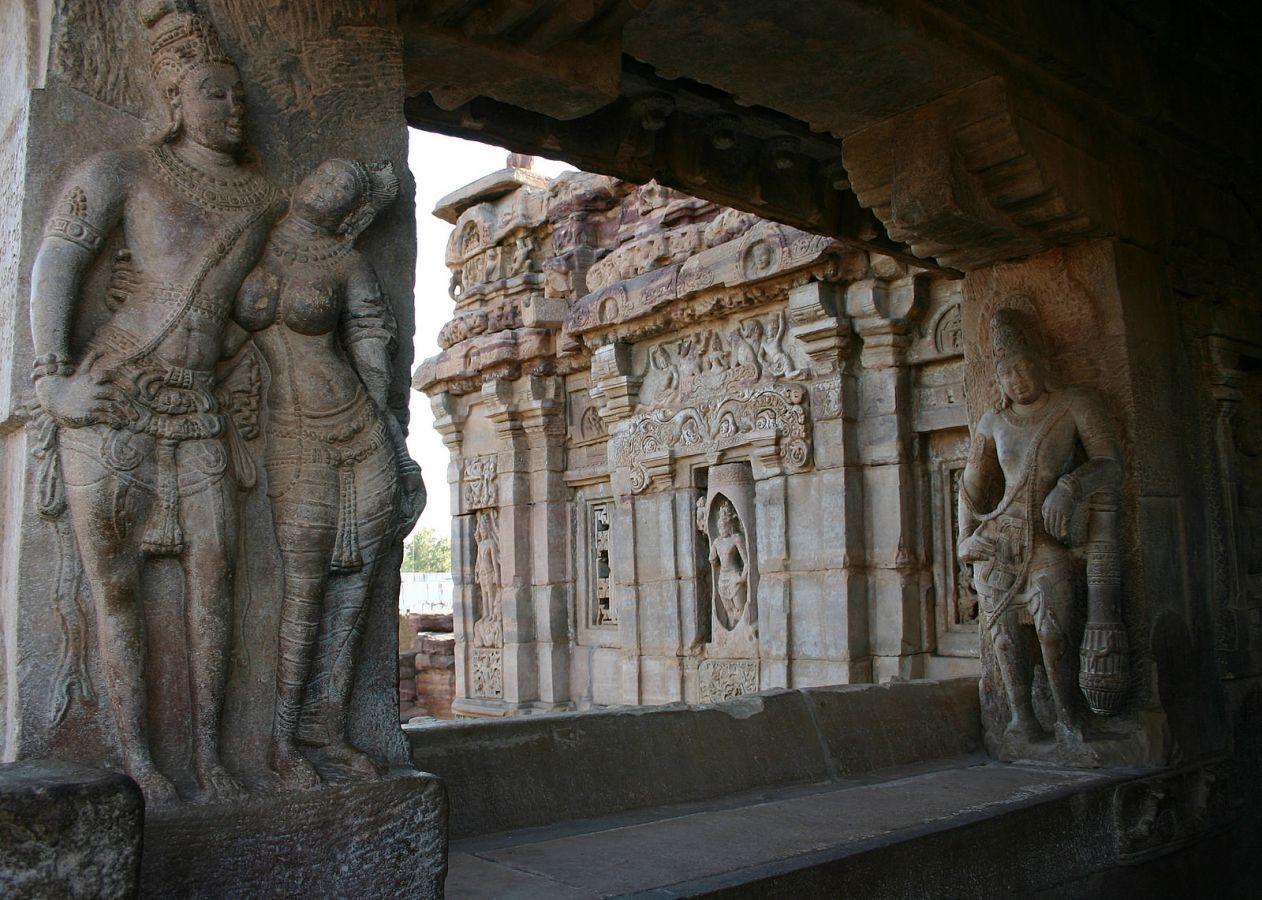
[[774, 412], [480, 490], [727, 679]]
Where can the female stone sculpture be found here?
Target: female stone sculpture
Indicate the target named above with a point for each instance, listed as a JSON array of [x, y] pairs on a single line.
[[140, 432], [336, 457], [488, 630], [729, 561]]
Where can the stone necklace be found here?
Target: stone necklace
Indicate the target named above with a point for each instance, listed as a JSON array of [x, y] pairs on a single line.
[[211, 190], [297, 246]]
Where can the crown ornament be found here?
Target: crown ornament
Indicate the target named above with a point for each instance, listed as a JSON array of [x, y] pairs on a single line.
[[180, 39], [1009, 335]]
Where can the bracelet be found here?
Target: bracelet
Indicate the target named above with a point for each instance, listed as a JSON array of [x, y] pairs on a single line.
[[1070, 483], [406, 464], [50, 364]]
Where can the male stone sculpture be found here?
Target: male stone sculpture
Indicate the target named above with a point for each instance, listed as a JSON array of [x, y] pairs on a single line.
[[141, 442], [1035, 461]]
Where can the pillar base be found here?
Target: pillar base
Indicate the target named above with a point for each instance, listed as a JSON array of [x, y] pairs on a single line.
[[384, 838]]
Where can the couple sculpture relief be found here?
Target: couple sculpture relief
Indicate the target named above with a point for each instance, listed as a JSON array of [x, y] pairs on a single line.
[[149, 445]]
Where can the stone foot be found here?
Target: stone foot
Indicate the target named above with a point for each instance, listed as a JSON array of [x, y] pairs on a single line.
[[340, 761], [217, 783], [154, 785], [1069, 732], [291, 767], [1024, 729]]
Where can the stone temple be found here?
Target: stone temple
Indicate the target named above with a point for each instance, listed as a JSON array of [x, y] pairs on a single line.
[[856, 468]]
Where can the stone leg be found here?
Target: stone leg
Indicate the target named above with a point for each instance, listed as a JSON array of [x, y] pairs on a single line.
[[209, 523], [1014, 666], [1051, 621], [105, 509], [333, 678], [306, 537], [346, 598]]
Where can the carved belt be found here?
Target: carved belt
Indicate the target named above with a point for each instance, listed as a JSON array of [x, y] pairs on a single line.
[[170, 403], [340, 439]]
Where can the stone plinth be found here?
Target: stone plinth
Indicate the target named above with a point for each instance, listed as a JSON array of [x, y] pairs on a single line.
[[377, 839], [67, 831]]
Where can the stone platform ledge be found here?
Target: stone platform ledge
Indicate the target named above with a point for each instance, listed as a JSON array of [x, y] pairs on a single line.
[[384, 838], [477, 708], [528, 770], [68, 831], [955, 829]]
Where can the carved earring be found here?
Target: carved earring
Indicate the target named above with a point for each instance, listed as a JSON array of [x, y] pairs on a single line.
[[175, 118]]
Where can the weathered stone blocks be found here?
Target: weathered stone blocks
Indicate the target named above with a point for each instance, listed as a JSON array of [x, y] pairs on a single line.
[[68, 831]]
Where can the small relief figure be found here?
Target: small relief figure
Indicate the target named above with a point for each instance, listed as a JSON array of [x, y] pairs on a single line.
[[1035, 462], [557, 277], [729, 566], [759, 260], [660, 359], [714, 356], [488, 630], [140, 433], [590, 424], [688, 354], [494, 261], [743, 347], [455, 287], [473, 272], [774, 357], [341, 481], [521, 255]]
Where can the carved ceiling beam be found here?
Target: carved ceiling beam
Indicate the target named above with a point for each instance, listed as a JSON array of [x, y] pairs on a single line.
[[561, 59], [969, 181], [692, 138]]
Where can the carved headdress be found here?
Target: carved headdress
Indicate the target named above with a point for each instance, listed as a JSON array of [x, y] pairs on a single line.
[[1010, 335], [179, 39], [378, 186]]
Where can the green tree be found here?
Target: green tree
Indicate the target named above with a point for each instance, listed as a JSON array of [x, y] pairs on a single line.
[[427, 552]]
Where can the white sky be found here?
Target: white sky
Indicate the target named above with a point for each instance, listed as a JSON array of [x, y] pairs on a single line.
[[440, 165]]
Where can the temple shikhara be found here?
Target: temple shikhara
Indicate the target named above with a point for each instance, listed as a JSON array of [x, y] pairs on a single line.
[[855, 462]]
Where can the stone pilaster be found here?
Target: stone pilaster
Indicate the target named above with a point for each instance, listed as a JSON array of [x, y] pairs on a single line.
[[881, 310], [542, 415]]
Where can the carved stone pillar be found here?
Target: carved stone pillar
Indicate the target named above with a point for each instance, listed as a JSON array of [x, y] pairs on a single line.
[[520, 671], [542, 415], [881, 310], [193, 122]]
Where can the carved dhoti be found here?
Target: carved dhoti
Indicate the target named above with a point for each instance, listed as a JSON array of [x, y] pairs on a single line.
[[163, 443]]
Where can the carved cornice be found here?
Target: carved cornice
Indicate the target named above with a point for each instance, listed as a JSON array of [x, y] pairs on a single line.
[[765, 253]]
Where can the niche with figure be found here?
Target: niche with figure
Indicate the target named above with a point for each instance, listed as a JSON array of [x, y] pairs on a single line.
[[725, 517]]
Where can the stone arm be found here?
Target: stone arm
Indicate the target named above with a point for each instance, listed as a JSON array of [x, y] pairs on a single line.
[[980, 483], [89, 208], [1102, 469], [368, 333]]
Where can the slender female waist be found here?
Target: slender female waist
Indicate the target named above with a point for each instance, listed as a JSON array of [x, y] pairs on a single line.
[[343, 435]]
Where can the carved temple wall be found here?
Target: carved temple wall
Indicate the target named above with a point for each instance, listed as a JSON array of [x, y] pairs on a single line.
[[626, 367]]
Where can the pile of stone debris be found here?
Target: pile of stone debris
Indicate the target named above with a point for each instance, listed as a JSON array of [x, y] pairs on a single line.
[[427, 666]]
